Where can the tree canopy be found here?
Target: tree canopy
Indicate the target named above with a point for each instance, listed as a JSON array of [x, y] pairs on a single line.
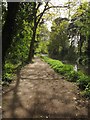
[[25, 33]]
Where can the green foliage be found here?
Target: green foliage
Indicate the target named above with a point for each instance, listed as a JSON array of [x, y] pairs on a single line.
[[53, 63], [42, 47], [71, 75], [20, 47], [83, 81], [17, 54], [42, 42], [59, 42], [87, 90], [8, 73], [80, 27]]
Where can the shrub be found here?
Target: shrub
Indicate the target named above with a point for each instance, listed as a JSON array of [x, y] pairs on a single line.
[[72, 76], [8, 72], [82, 80], [87, 90]]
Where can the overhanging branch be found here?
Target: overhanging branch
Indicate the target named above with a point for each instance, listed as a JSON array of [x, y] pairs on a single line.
[[66, 6], [41, 14]]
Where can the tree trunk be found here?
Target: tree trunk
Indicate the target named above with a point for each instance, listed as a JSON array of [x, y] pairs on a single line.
[[31, 50], [36, 22], [8, 28], [88, 54], [80, 45]]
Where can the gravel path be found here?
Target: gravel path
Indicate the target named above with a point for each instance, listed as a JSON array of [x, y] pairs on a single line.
[[39, 92]]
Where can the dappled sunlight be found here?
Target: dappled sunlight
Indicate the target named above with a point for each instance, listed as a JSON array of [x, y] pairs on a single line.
[[35, 96], [45, 47]]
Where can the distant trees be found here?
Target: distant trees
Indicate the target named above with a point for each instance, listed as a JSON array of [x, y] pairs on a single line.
[[14, 17], [20, 31], [23, 33], [59, 46], [62, 35], [37, 18], [42, 39], [71, 39], [80, 26]]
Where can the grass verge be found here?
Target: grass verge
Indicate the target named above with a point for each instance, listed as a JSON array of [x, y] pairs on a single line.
[[82, 80]]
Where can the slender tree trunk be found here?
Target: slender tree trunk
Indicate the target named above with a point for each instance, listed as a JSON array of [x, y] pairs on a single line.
[[80, 46], [8, 28], [36, 22], [88, 54], [31, 50]]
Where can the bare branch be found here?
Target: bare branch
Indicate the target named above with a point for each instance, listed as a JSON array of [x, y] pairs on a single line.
[[57, 7], [41, 14], [66, 6], [39, 4]]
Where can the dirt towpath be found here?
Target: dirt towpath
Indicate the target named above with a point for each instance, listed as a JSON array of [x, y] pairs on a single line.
[[39, 92]]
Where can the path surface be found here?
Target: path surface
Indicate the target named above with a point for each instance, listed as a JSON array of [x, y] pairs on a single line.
[[39, 92]]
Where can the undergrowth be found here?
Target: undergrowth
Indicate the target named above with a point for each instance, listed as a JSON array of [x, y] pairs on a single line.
[[71, 75], [9, 72]]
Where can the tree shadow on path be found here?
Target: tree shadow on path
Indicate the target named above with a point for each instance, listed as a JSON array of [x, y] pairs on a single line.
[[38, 108]]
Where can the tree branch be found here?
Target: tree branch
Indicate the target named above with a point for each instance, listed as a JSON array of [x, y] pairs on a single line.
[[39, 4], [52, 7], [41, 14]]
